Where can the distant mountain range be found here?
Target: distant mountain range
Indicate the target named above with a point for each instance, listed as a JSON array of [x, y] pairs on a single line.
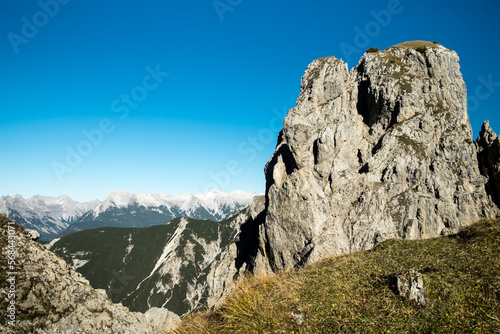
[[50, 216], [57, 216]]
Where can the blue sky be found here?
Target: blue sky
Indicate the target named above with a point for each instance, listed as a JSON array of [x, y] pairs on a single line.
[[181, 96]]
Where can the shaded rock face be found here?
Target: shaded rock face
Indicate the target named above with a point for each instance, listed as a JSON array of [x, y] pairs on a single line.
[[383, 151], [489, 160], [49, 297]]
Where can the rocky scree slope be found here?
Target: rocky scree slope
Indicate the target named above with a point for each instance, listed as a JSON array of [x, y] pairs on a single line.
[[52, 298], [383, 151]]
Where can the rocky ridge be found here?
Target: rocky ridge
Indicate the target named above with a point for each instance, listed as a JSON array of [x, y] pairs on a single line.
[[383, 151], [52, 298], [58, 216], [122, 209]]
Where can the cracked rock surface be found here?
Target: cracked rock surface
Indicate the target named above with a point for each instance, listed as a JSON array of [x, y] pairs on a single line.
[[382, 151]]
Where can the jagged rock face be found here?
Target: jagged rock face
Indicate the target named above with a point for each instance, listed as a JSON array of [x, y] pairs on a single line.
[[384, 151], [49, 297], [489, 160]]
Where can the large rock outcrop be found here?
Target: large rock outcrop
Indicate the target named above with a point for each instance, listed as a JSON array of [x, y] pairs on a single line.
[[383, 151], [44, 295], [489, 160]]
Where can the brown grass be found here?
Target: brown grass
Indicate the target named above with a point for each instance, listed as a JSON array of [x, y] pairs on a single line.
[[415, 45]]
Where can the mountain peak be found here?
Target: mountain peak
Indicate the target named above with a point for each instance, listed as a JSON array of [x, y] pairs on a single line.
[[119, 197], [187, 202], [383, 151], [48, 215]]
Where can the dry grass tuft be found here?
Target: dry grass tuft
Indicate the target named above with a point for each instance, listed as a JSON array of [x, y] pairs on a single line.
[[415, 45]]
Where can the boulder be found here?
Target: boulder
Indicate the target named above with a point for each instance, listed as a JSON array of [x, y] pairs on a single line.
[[410, 286]]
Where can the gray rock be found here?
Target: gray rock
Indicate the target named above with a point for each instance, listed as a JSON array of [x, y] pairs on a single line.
[[383, 151], [240, 257], [489, 160], [298, 317], [33, 234], [52, 298], [410, 286], [162, 319]]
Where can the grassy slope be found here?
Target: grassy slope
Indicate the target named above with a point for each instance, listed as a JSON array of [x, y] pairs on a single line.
[[351, 293]]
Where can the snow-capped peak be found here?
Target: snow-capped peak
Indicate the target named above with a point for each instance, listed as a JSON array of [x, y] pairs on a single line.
[[213, 201], [52, 215], [48, 215], [119, 198]]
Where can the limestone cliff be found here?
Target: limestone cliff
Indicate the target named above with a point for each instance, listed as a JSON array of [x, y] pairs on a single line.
[[383, 151]]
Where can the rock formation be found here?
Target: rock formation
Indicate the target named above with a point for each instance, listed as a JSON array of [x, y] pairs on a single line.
[[489, 160], [383, 151], [45, 296], [410, 286]]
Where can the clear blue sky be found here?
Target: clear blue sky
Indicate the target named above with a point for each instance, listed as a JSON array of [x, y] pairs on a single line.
[[181, 96]]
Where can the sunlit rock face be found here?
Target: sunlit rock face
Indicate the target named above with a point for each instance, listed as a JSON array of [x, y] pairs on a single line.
[[382, 151]]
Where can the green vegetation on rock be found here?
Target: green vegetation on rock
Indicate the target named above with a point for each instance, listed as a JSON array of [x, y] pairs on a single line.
[[416, 45]]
